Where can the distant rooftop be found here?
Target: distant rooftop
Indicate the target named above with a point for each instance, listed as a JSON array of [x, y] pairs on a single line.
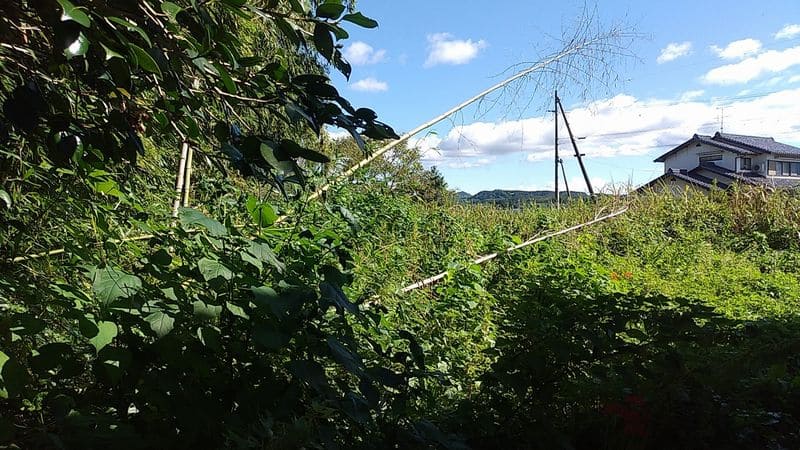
[[738, 143]]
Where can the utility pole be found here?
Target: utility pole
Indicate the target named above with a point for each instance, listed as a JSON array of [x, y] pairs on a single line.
[[555, 112], [575, 147], [564, 174]]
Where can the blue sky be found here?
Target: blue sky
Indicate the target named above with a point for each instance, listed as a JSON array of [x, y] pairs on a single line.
[[695, 62]]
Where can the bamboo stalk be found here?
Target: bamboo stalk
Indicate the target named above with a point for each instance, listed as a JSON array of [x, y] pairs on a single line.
[[491, 256], [179, 178], [187, 185]]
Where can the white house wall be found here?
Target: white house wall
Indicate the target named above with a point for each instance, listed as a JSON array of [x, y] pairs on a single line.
[[688, 158]]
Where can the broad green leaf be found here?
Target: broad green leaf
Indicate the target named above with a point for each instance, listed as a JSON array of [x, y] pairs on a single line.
[[356, 407], [110, 53], [330, 10], [189, 216], [236, 310], [72, 12], [211, 268], [268, 337], [206, 311], [337, 297], [323, 40], [5, 198], [252, 260], [130, 26], [3, 359], [265, 297], [78, 48], [144, 60], [170, 9], [311, 372], [160, 323], [87, 327], [160, 258], [350, 361], [110, 284], [263, 214], [227, 81], [210, 337], [360, 20], [13, 377], [106, 333], [25, 324], [113, 362], [265, 254], [416, 349]]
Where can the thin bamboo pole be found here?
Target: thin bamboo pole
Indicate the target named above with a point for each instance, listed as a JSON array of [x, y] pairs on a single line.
[[187, 184], [179, 178], [489, 257], [569, 51]]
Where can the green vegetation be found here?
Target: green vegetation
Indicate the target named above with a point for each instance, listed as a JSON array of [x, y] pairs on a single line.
[[261, 319]]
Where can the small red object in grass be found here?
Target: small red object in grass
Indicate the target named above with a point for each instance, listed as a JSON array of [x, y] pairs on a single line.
[[633, 412]]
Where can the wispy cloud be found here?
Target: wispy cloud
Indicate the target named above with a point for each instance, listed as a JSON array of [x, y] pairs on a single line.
[[771, 61], [361, 54], [370, 85], [788, 32], [689, 96], [738, 49], [673, 51], [443, 48]]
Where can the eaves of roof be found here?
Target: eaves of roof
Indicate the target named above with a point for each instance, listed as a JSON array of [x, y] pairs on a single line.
[[708, 140], [711, 167]]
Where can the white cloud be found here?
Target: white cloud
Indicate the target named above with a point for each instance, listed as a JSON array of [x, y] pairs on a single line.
[[738, 49], [689, 96], [619, 126], [370, 85], [361, 54], [788, 32], [794, 79], [772, 61], [337, 133], [673, 51], [443, 48]]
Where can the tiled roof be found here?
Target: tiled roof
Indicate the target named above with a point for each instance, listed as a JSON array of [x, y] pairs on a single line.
[[759, 144], [744, 177], [695, 179], [738, 143]]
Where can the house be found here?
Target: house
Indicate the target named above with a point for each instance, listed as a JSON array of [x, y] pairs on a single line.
[[724, 159]]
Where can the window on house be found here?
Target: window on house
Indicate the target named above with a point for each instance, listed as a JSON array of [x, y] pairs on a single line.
[[745, 164], [710, 158], [783, 168]]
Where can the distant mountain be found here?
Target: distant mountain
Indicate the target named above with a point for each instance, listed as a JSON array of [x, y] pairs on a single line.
[[514, 198], [463, 196]]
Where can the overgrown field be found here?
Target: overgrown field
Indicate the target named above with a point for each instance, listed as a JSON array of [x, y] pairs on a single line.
[[250, 308], [671, 326]]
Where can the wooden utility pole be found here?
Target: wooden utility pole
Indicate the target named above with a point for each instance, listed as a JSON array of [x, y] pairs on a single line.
[[555, 142], [575, 147]]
